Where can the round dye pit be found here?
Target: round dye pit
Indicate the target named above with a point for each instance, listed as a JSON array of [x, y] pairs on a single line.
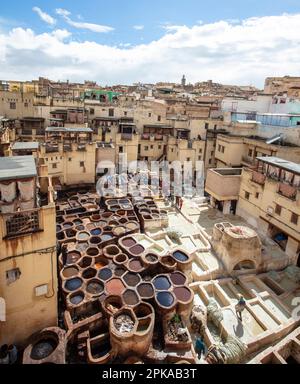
[[119, 272], [83, 236], [85, 262], [114, 287], [121, 259], [95, 240], [73, 284], [168, 261], [152, 258], [89, 273], [112, 250], [129, 242], [92, 251], [130, 297], [94, 287], [67, 225], [131, 279], [178, 278], [182, 294], [76, 298], [105, 274], [82, 247], [166, 299], [145, 290], [180, 256], [96, 232], [135, 265], [79, 227], [43, 349], [106, 237], [161, 283], [137, 250], [119, 231], [70, 233], [73, 257], [77, 222], [70, 272]]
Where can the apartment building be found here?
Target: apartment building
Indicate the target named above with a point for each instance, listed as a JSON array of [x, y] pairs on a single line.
[[269, 199], [28, 274]]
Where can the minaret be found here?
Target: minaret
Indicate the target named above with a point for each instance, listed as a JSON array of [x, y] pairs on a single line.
[[183, 81]]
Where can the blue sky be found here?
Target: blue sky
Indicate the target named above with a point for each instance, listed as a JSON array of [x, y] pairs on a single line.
[[136, 26]]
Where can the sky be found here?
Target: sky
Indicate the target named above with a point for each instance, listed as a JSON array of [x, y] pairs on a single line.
[[124, 42]]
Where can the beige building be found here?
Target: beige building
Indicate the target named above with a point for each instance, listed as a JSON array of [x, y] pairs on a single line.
[[269, 200], [28, 274]]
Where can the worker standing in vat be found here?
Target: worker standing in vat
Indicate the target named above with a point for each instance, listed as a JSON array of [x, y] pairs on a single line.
[[199, 347], [239, 308]]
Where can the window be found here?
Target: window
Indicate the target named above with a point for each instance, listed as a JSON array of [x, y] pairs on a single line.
[[159, 147], [26, 105], [81, 164], [111, 112], [278, 209], [158, 118], [151, 146], [212, 153], [257, 195], [12, 106], [247, 195], [188, 159], [12, 275], [146, 148], [206, 125], [54, 165], [215, 126], [92, 111], [125, 113], [121, 149], [199, 157], [149, 114], [70, 158], [209, 161], [200, 150], [294, 218], [250, 153]]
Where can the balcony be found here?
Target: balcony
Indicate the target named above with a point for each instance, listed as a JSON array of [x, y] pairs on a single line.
[[126, 136], [258, 178], [22, 223], [287, 190]]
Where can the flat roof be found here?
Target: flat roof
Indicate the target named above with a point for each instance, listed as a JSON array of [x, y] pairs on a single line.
[[281, 163], [158, 126], [69, 130], [25, 145], [17, 167]]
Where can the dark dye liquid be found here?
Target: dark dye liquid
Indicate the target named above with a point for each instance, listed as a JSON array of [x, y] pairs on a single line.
[[182, 294], [105, 274], [43, 349], [165, 299], [73, 284], [161, 283], [94, 288], [145, 290], [96, 232], [76, 299], [131, 279], [135, 265], [130, 297], [180, 256], [137, 249], [177, 278], [128, 242]]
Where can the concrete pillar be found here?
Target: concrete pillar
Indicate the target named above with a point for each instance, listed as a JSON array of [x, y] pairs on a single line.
[[292, 248], [226, 207]]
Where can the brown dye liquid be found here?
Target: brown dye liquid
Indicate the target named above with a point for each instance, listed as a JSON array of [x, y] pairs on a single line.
[[145, 290], [131, 279], [177, 278], [135, 265], [115, 287], [128, 242], [182, 294], [130, 297], [137, 250]]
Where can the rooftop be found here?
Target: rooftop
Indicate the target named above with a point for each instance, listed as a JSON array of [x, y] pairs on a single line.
[[69, 130], [281, 163], [17, 167], [22, 145]]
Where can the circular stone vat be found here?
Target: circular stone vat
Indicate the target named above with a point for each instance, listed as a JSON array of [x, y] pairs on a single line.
[[76, 298], [95, 240], [95, 217], [142, 310], [180, 256], [73, 284], [183, 294], [95, 287], [106, 237], [85, 262], [145, 290], [107, 228], [70, 272], [114, 287], [77, 221], [131, 279], [137, 250], [92, 251], [79, 227], [58, 228], [128, 242], [161, 283], [151, 258], [67, 224], [135, 265], [105, 274], [111, 250], [168, 261], [96, 232], [70, 233], [89, 273], [43, 348], [119, 271], [73, 257], [123, 220], [165, 299], [130, 297], [178, 278], [82, 247], [119, 230], [121, 259], [82, 236]]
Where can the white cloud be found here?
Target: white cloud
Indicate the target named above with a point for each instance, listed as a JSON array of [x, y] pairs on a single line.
[[226, 52], [138, 27], [82, 25], [44, 16]]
